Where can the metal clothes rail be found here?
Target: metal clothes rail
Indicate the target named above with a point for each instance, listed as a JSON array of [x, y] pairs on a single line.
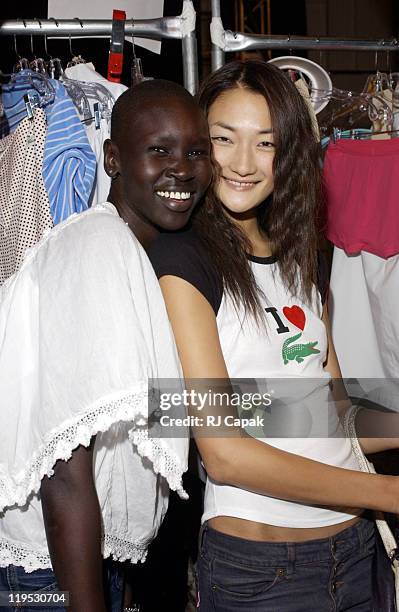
[[224, 41], [180, 27]]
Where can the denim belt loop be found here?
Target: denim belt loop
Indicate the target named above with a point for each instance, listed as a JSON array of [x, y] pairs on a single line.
[[360, 534], [291, 558], [201, 535], [12, 578]]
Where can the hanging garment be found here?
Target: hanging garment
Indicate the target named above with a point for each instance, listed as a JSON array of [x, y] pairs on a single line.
[[24, 205], [361, 184], [69, 164], [364, 302], [303, 89], [383, 124], [395, 107], [96, 137], [77, 363]]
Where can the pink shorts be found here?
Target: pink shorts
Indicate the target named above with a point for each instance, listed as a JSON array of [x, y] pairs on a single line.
[[362, 184]]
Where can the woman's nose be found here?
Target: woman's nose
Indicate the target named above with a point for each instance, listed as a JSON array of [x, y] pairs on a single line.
[[243, 161], [181, 168]]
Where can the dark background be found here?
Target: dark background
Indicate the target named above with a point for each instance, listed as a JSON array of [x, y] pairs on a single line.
[[338, 18]]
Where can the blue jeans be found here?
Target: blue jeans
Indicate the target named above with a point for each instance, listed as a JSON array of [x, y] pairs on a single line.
[[326, 575], [14, 578]]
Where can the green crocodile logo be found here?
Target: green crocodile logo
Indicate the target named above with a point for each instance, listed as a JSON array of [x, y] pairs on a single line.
[[297, 352]]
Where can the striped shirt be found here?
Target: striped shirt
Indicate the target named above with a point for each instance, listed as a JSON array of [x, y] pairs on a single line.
[[69, 164]]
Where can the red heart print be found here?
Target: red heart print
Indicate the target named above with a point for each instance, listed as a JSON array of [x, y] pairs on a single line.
[[295, 315]]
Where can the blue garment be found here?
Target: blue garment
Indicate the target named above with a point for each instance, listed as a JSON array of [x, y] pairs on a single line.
[[69, 164], [14, 579], [333, 573]]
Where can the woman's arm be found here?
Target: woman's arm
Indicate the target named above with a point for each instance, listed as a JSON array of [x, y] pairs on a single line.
[[73, 528], [369, 423], [243, 461]]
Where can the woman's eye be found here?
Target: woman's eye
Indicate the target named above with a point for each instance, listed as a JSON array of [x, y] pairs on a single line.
[[198, 153], [158, 149], [222, 139], [266, 144]]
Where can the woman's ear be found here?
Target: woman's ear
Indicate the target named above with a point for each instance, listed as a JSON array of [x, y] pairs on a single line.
[[111, 159]]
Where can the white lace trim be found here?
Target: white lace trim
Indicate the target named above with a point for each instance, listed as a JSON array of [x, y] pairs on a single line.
[[122, 550], [61, 442], [32, 560], [127, 406], [163, 459], [15, 554]]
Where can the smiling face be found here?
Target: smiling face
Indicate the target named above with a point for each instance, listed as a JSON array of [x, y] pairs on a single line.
[[162, 163], [243, 145]]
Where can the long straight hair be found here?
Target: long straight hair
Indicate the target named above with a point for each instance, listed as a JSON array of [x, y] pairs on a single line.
[[292, 215]]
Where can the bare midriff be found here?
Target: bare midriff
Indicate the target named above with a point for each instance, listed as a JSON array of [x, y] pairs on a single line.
[[251, 530]]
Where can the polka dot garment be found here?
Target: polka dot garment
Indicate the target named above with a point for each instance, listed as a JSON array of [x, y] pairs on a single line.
[[24, 205]]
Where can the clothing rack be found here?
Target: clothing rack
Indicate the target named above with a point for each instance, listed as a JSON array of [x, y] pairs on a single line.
[[180, 27], [224, 41]]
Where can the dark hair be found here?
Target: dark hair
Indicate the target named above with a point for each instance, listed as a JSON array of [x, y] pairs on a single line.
[[291, 214]]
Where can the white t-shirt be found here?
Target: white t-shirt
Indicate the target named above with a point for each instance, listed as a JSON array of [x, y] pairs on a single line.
[[285, 356], [83, 326]]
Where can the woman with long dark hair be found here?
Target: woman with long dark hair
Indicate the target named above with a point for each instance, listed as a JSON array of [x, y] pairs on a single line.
[[283, 524]]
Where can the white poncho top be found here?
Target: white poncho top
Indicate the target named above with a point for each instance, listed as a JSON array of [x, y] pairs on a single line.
[[83, 326]]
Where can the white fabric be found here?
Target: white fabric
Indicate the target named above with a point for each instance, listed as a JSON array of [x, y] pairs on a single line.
[[251, 352], [364, 303], [82, 327], [387, 537], [102, 9], [188, 18], [96, 137], [218, 36]]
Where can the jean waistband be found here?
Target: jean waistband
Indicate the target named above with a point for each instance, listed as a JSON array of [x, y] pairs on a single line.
[[264, 554]]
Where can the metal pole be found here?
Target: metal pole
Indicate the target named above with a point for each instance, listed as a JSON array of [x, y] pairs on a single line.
[[190, 63], [238, 41], [157, 29], [218, 56]]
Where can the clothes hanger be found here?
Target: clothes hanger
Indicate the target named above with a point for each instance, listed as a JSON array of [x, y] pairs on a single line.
[[349, 110], [78, 96], [54, 65], [37, 64], [378, 81], [75, 58], [74, 89], [22, 63], [313, 74], [81, 91], [40, 90], [36, 80], [136, 70]]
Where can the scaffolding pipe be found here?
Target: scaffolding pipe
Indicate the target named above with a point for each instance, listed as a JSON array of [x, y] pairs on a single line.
[[190, 63], [224, 41], [237, 41], [157, 29], [181, 28], [218, 57]]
